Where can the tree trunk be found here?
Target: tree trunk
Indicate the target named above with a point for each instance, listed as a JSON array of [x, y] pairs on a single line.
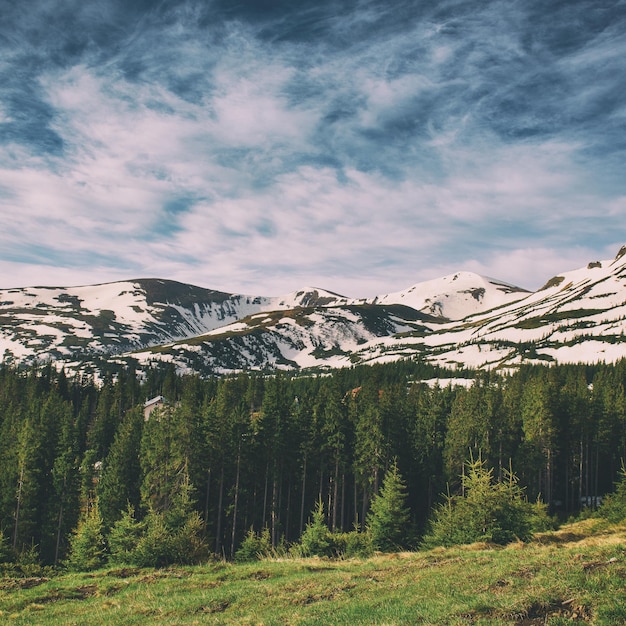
[[206, 497], [273, 511], [335, 493], [218, 529], [343, 502], [58, 541], [302, 500], [236, 500], [17, 506]]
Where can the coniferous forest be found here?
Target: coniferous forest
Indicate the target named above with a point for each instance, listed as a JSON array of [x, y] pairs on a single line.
[[229, 459]]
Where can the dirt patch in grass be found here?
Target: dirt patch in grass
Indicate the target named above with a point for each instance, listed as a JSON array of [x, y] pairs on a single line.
[[159, 575], [500, 585], [8, 584], [124, 572], [302, 596], [590, 566], [217, 606], [76, 593], [86, 591], [539, 613], [526, 572]]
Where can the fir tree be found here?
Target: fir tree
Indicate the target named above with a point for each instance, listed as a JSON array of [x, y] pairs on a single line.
[[87, 547], [614, 506], [254, 546], [120, 481], [316, 540], [490, 511], [125, 536], [389, 517], [5, 549]]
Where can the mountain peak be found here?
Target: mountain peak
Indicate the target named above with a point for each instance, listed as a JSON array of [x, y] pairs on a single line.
[[310, 297], [456, 295]]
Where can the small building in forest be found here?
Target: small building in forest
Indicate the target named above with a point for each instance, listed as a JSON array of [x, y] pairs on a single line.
[[151, 405]]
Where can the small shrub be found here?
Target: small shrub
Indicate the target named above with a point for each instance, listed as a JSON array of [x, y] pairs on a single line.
[[388, 520], [152, 543], [613, 506], [87, 546], [188, 544], [494, 512], [540, 521], [125, 537], [154, 548], [354, 544], [254, 546], [316, 540]]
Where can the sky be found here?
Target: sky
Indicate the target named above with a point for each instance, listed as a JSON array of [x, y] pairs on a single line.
[[257, 146]]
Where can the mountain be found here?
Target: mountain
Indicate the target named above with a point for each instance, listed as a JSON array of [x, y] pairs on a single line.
[[460, 320], [455, 296], [65, 324]]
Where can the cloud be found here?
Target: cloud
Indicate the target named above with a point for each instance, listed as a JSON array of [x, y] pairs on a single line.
[[355, 146]]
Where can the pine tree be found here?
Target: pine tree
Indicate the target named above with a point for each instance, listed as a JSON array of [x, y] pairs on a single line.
[[87, 547], [371, 445], [125, 536], [540, 434], [316, 540], [121, 470], [5, 549], [389, 517], [254, 546], [614, 506], [26, 512], [489, 510], [65, 482]]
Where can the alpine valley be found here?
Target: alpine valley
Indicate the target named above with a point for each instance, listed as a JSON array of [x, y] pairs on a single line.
[[460, 321]]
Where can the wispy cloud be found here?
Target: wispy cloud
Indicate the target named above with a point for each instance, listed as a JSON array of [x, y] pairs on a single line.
[[354, 146]]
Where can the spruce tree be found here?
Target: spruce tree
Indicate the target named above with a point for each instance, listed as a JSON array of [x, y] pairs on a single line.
[[87, 547], [119, 484], [5, 549], [125, 536], [389, 517], [614, 506], [27, 489], [65, 481], [316, 540], [491, 511], [254, 546]]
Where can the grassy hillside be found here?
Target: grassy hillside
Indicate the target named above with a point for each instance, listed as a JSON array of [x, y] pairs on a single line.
[[577, 574]]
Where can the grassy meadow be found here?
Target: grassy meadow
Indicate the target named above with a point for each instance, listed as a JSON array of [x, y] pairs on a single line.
[[574, 575]]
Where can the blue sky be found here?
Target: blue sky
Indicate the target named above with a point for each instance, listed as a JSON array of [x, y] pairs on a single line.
[[359, 146]]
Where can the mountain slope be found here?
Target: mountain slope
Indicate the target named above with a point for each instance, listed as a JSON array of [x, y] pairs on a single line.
[[296, 338], [65, 323], [579, 316], [459, 320], [456, 296]]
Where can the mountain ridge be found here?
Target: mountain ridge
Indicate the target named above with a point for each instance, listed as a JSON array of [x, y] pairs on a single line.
[[459, 320]]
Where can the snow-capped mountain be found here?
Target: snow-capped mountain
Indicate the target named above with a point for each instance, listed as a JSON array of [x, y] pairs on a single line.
[[456, 296], [58, 323], [577, 316], [459, 320]]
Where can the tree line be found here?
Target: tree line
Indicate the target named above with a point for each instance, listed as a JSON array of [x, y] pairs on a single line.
[[233, 458]]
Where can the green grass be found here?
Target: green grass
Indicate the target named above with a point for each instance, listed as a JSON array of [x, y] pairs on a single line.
[[575, 575], [556, 316]]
